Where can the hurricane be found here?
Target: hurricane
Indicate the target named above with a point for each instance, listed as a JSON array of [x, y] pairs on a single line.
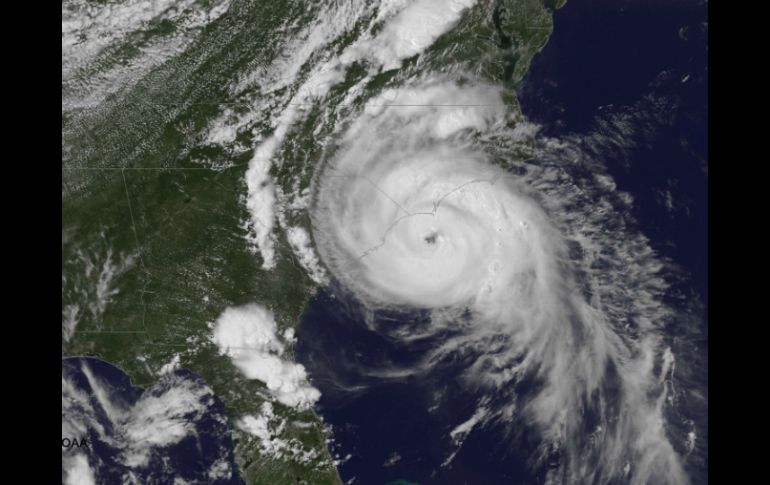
[[402, 241], [522, 278]]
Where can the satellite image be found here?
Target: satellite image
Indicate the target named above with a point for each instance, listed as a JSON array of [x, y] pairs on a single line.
[[384, 242]]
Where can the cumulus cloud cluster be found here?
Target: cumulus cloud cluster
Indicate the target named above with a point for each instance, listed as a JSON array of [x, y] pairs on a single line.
[[91, 285], [248, 335], [267, 428], [77, 471], [302, 246]]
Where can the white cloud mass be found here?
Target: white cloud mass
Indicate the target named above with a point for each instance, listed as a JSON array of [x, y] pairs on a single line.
[[248, 335], [77, 470], [410, 212], [165, 414]]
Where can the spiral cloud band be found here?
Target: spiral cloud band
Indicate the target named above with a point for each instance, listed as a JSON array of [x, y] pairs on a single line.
[[424, 220], [410, 212]]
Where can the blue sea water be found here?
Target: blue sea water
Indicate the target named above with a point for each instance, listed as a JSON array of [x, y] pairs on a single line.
[[189, 460], [641, 62], [645, 62], [636, 68], [396, 427]]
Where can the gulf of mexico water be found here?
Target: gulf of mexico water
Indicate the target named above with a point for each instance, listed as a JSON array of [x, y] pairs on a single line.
[[107, 410]]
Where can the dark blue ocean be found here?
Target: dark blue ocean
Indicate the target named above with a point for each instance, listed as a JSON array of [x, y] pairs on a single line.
[[188, 460], [640, 61], [646, 61]]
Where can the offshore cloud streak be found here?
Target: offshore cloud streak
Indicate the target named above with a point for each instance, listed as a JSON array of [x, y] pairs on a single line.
[[411, 212]]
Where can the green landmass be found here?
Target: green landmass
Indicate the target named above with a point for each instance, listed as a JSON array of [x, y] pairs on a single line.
[[144, 196]]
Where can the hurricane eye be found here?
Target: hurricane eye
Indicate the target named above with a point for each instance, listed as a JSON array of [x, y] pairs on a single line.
[[431, 238]]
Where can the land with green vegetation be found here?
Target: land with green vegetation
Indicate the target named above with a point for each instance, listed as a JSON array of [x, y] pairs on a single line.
[[153, 237]]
